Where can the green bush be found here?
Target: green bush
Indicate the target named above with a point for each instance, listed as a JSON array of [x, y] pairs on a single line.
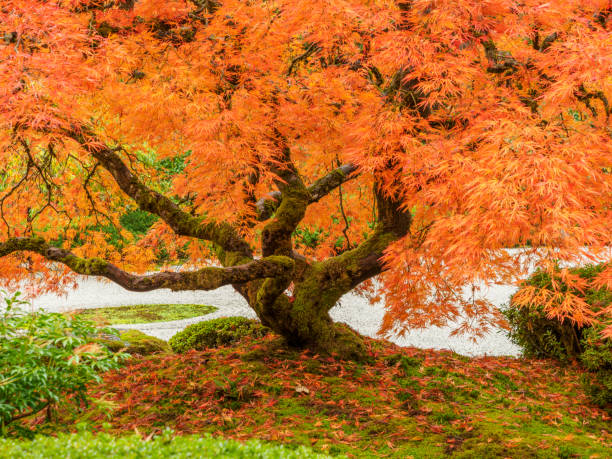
[[597, 358], [216, 332], [138, 221], [541, 337], [45, 359], [102, 446]]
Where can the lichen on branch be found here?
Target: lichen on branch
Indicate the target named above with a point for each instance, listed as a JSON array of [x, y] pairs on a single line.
[[208, 278]]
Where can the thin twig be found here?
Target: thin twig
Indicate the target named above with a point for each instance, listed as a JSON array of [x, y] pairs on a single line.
[[346, 222]]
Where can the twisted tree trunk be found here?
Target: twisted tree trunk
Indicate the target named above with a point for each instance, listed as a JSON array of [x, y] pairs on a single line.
[[301, 318]]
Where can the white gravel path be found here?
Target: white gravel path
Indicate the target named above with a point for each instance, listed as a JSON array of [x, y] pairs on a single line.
[[352, 309]]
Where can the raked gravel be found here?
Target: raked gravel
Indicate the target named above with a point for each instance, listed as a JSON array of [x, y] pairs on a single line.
[[352, 309]]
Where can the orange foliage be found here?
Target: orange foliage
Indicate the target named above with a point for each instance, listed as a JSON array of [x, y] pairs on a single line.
[[489, 119]]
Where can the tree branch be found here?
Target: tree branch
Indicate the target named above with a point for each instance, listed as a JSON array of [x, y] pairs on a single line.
[[586, 96], [267, 205], [276, 235], [499, 61], [182, 223], [331, 181], [208, 278], [337, 275], [310, 50]]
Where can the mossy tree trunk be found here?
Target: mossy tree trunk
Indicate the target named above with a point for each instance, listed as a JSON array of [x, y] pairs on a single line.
[[302, 318]]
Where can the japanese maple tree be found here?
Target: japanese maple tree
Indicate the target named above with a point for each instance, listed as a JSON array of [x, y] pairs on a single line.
[[314, 146]]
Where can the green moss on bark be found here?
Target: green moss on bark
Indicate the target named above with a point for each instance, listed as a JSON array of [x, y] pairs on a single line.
[[89, 266], [276, 236]]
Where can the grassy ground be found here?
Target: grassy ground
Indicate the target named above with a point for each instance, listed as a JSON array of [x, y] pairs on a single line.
[[405, 403], [85, 445], [145, 313]]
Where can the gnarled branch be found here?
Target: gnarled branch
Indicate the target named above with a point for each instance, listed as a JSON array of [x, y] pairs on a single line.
[[331, 181], [499, 61], [267, 205], [276, 235], [586, 96], [182, 223], [208, 278]]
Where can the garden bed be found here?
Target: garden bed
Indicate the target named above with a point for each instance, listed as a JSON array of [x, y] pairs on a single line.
[[144, 313]]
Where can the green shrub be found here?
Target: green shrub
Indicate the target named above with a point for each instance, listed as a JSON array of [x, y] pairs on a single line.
[[138, 221], [597, 358], [45, 359], [216, 332], [541, 337], [103, 446]]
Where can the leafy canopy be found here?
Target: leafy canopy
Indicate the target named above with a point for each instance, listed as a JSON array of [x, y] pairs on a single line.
[[489, 120]]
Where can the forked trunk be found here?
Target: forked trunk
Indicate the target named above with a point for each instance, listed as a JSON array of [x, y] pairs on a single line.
[[303, 318], [304, 321]]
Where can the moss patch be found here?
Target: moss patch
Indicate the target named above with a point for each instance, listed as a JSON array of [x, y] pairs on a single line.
[[144, 313], [136, 342], [404, 402]]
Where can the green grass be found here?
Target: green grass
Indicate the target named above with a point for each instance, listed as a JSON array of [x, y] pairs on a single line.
[[144, 313], [104, 446]]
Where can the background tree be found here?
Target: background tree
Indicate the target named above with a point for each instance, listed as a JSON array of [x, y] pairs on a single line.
[[319, 144]]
